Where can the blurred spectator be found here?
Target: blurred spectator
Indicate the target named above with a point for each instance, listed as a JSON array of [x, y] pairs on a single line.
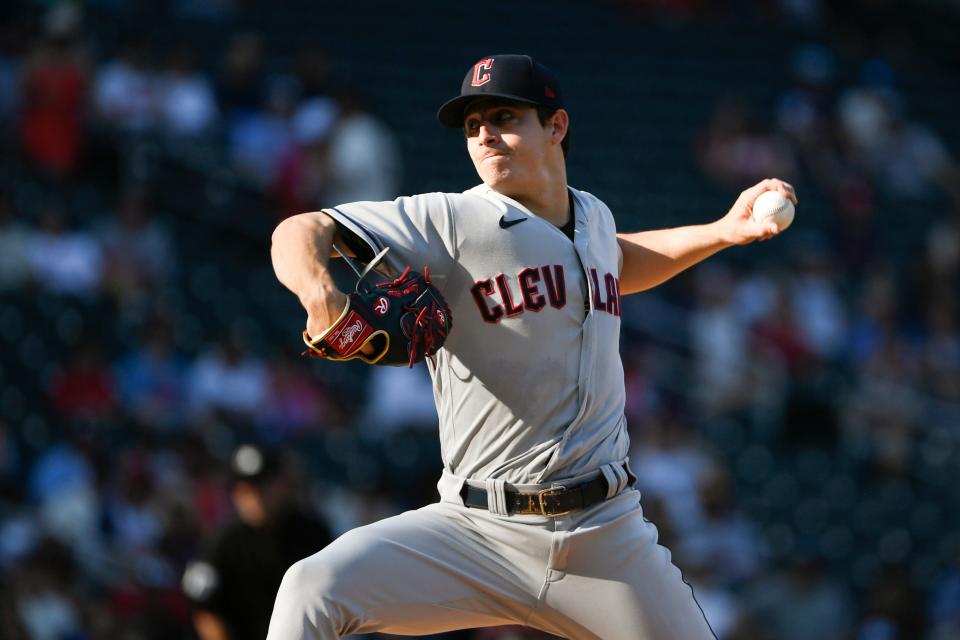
[[725, 544], [893, 608], [364, 155], [874, 318], [295, 403], [756, 295], [804, 112], [62, 467], [883, 409], [62, 259], [305, 172], [399, 399], [185, 100], [865, 110], [125, 95], [777, 335], [803, 602], [736, 150], [85, 388], [234, 583], [55, 80], [719, 342], [133, 517], [760, 303], [641, 392], [209, 499], [671, 464], [907, 159], [45, 599], [936, 276], [240, 86], [137, 247], [151, 379], [63, 484], [227, 378], [258, 142], [20, 534], [855, 238], [915, 163], [817, 308]]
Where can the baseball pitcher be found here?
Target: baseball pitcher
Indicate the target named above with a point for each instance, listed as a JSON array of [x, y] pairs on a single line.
[[511, 291]]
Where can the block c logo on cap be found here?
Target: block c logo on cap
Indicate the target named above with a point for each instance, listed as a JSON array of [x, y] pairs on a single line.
[[481, 72]]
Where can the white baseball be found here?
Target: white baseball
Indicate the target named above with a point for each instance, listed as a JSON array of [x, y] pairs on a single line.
[[773, 205]]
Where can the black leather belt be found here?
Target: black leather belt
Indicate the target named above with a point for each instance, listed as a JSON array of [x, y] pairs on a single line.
[[555, 501]]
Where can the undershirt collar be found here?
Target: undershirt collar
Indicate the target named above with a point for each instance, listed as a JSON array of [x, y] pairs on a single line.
[[571, 221]]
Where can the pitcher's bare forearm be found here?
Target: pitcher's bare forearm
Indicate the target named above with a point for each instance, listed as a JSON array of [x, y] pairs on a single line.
[[653, 257], [300, 251], [649, 258]]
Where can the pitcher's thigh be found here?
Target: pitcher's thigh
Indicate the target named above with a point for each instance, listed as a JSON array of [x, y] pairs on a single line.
[[416, 573], [617, 583]]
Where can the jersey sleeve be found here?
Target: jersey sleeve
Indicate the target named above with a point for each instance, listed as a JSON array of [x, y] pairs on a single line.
[[419, 229]]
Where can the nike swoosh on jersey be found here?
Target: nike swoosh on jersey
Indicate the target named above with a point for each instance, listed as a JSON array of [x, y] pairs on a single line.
[[506, 224]]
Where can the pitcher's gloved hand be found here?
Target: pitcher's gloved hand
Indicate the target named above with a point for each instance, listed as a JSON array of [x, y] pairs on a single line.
[[404, 320]]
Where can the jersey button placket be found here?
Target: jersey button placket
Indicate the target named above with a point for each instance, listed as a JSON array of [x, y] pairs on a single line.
[[581, 245]]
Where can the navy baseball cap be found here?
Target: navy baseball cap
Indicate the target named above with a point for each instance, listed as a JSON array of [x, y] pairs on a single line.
[[510, 76]]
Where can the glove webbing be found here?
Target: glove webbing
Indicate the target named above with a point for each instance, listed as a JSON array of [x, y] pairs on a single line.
[[420, 324]]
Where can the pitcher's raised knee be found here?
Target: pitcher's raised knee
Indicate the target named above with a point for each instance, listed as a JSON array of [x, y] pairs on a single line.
[[308, 604]]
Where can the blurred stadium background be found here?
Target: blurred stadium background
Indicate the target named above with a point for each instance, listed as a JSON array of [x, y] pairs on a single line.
[[794, 406]]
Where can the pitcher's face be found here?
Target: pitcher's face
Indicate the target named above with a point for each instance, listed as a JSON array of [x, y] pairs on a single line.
[[507, 144]]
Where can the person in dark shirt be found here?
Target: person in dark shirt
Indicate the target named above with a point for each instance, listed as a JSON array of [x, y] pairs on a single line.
[[233, 583]]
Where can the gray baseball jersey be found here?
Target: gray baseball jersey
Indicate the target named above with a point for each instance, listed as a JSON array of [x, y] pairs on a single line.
[[529, 385], [529, 390]]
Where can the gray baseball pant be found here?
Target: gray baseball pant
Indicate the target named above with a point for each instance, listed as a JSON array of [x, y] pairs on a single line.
[[596, 573]]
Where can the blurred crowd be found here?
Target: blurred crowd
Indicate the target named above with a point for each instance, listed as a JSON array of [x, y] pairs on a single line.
[[834, 363], [851, 137], [793, 420], [293, 131]]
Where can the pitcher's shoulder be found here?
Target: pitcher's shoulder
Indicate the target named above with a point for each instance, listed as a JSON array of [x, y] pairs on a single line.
[[587, 199], [475, 200], [592, 205]]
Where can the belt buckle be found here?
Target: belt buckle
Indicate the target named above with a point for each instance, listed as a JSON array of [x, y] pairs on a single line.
[[549, 493]]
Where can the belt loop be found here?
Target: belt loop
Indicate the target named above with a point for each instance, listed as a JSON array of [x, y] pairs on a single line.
[[496, 496], [450, 487], [616, 478], [631, 476]]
